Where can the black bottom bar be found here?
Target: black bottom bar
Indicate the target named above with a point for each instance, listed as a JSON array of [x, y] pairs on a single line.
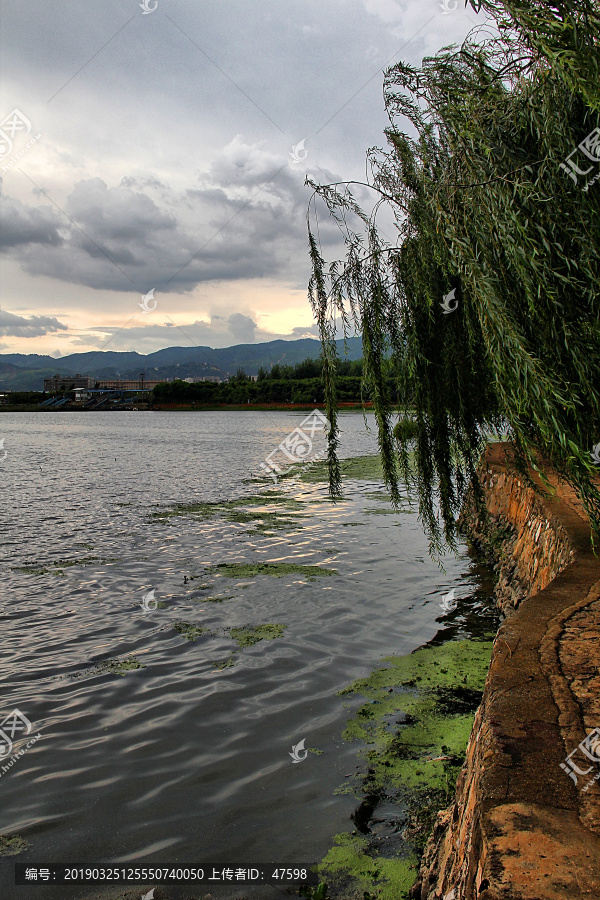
[[177, 874]]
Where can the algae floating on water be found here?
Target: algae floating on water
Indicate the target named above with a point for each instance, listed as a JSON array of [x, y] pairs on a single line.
[[189, 631], [58, 565], [119, 666], [246, 637], [268, 511], [275, 570], [12, 844], [30, 570], [225, 663], [213, 599], [363, 468]]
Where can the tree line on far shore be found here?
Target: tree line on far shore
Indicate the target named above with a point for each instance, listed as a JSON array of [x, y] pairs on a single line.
[[302, 383]]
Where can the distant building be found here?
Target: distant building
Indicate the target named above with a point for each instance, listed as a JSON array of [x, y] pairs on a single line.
[[68, 383], [126, 385], [214, 378], [86, 383]]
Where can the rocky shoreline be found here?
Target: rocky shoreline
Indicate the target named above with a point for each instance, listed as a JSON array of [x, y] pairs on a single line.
[[519, 827]]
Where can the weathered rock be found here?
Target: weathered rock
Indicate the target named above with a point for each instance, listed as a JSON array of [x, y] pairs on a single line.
[[519, 827]]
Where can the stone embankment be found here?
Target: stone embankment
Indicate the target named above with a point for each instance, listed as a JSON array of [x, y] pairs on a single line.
[[520, 827]]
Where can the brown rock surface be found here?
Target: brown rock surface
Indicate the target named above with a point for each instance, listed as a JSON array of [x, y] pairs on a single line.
[[520, 828]]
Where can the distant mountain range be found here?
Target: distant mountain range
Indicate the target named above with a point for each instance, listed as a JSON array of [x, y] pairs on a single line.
[[26, 371]]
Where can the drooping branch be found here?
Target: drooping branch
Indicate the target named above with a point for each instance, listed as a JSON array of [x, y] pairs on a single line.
[[482, 208]]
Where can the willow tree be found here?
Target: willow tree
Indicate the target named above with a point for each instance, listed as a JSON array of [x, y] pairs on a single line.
[[486, 306]]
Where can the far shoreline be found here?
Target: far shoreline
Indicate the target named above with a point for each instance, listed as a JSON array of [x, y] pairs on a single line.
[[180, 407]]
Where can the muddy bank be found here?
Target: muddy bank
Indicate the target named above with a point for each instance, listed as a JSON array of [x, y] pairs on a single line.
[[519, 826]]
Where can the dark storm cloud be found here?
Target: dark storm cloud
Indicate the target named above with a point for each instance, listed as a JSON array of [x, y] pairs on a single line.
[[251, 205], [22, 225], [118, 213]]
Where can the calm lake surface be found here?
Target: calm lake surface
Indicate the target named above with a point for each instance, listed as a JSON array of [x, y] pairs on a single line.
[[186, 760]]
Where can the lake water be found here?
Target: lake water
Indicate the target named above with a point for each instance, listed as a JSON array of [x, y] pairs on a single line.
[[186, 759]]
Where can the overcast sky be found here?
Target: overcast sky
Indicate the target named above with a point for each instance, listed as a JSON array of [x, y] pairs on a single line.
[[153, 150]]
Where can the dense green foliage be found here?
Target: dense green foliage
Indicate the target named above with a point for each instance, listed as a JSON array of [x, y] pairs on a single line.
[[25, 398], [483, 208], [302, 383], [561, 33]]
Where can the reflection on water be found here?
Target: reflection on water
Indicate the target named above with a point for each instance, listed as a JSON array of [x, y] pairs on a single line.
[[167, 726]]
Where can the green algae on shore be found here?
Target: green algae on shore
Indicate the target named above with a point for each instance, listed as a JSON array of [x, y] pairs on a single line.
[[246, 637], [416, 723], [437, 690], [275, 570], [362, 873]]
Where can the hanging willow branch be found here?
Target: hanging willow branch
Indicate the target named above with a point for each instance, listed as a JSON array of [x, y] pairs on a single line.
[[482, 208]]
